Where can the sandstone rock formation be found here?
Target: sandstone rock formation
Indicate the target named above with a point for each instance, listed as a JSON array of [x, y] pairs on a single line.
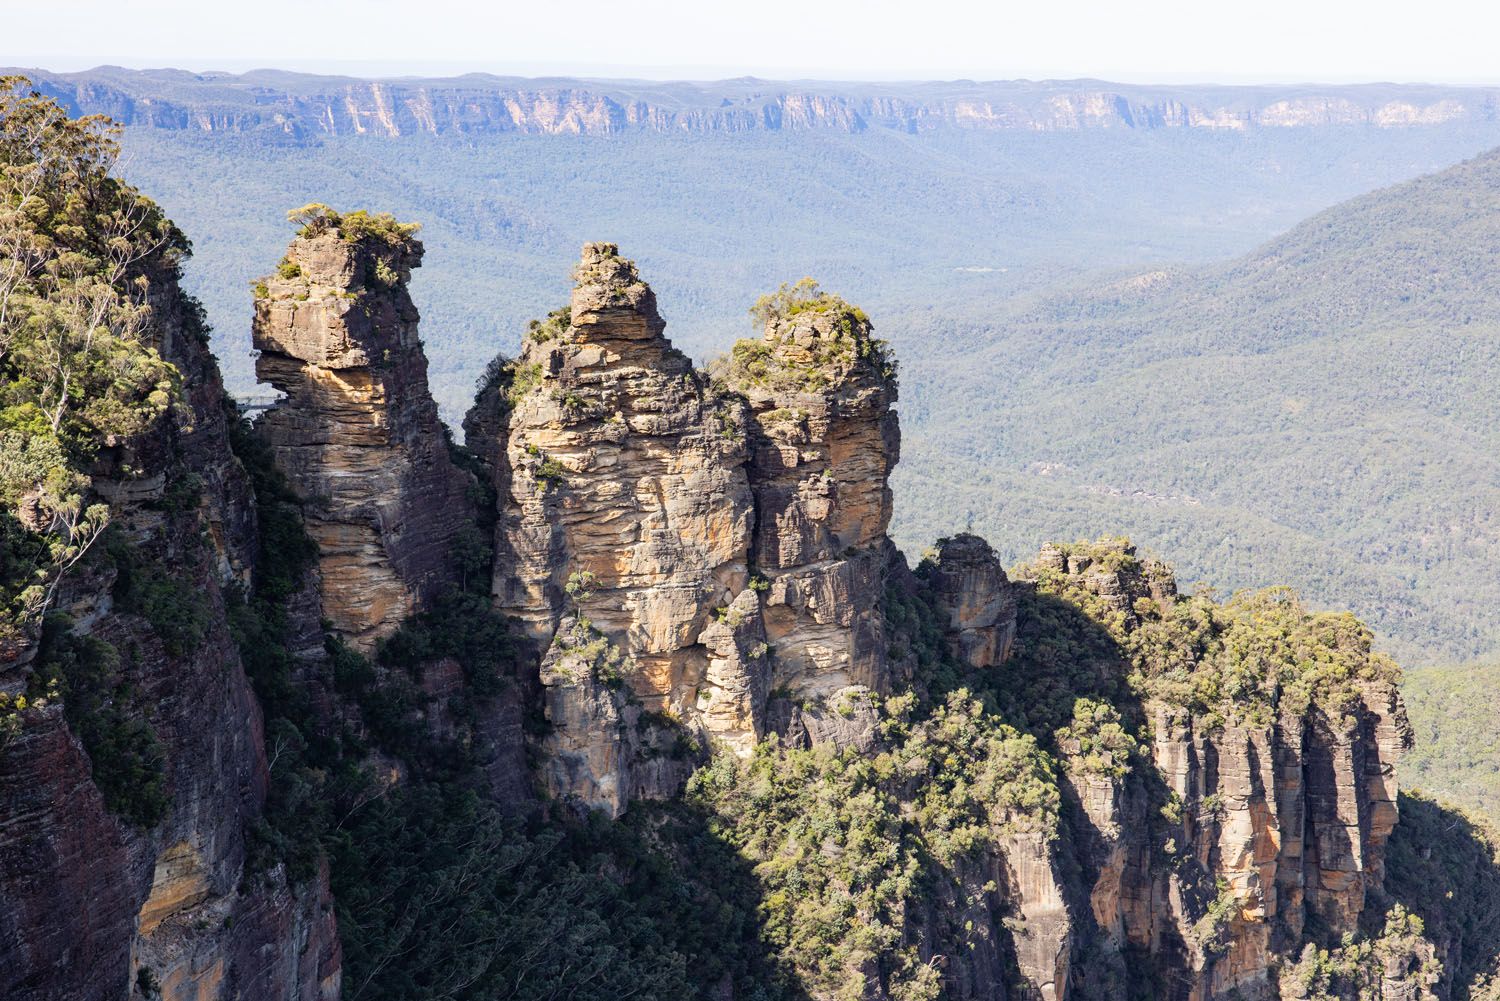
[[724, 538], [623, 503], [699, 561], [358, 433], [823, 442], [323, 107], [972, 591], [1274, 823]]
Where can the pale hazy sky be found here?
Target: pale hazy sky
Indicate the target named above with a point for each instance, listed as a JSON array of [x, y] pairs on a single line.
[[1142, 41]]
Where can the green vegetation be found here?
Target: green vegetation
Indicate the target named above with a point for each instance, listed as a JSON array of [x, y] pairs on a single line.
[[175, 609], [1443, 866], [1210, 931], [80, 254], [315, 219], [549, 472], [385, 275], [792, 300], [85, 263], [1097, 741], [1454, 713], [109, 716], [847, 844], [1330, 425], [1246, 659], [1366, 968], [810, 361], [555, 325], [524, 378], [602, 660], [510, 378]]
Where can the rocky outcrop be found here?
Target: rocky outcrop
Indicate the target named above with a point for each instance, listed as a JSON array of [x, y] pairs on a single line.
[[699, 561], [975, 596], [150, 883], [823, 441], [1274, 824], [358, 433], [723, 537], [623, 503]]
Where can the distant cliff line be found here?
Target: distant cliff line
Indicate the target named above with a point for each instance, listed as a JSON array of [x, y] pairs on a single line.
[[306, 106]]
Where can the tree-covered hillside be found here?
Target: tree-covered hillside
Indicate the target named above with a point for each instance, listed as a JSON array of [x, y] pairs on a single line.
[[1320, 411], [1453, 715]]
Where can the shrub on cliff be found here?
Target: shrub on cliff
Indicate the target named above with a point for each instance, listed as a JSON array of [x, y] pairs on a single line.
[[315, 219], [106, 713], [808, 361], [1397, 961], [802, 297]]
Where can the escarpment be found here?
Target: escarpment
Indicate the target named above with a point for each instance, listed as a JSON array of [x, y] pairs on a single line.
[[136, 770], [310, 107], [358, 433], [713, 550]]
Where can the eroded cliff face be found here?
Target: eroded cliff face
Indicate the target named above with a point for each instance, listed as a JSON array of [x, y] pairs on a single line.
[[823, 443], [706, 558], [1274, 822], [358, 433], [977, 599], [699, 562], [695, 544], [118, 880]]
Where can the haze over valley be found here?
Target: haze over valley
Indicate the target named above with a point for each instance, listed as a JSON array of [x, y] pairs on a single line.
[[1001, 235]]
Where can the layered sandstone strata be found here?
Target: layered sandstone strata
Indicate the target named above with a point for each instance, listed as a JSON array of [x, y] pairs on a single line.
[[358, 433], [1272, 824], [976, 598], [623, 505], [823, 442]]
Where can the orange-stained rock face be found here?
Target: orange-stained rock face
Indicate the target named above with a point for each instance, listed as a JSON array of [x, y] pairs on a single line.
[[358, 434], [1288, 819]]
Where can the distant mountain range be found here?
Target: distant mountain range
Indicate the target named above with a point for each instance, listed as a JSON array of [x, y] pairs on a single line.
[[301, 105]]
